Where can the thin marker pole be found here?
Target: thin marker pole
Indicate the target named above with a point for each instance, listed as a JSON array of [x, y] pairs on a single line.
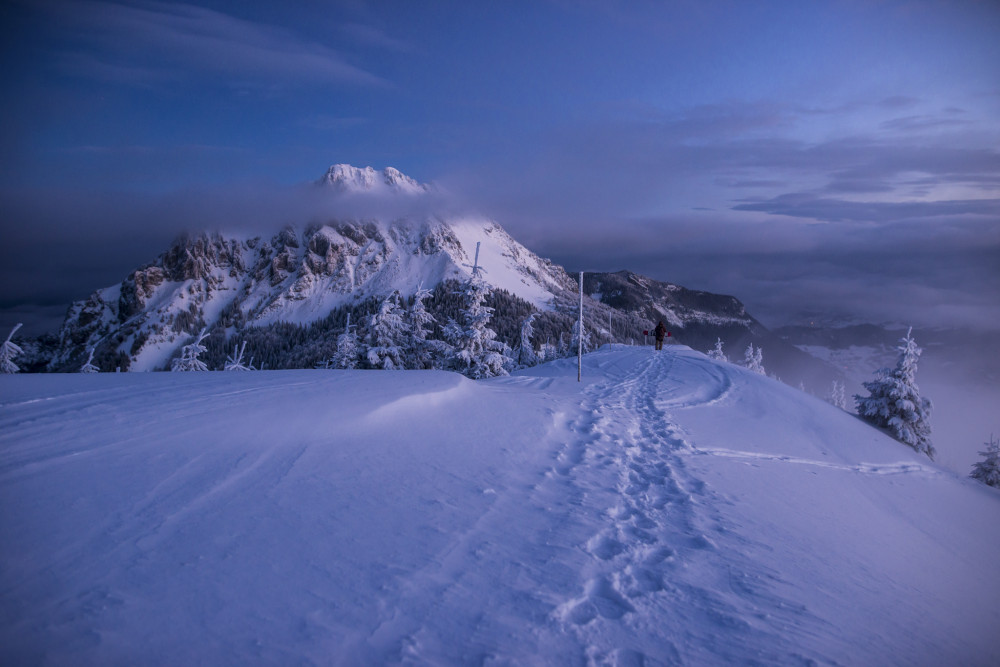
[[579, 336]]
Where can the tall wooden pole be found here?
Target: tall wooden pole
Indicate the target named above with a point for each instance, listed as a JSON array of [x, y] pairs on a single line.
[[579, 336]]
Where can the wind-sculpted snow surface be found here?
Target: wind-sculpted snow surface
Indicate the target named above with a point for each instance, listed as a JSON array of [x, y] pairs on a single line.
[[670, 509]]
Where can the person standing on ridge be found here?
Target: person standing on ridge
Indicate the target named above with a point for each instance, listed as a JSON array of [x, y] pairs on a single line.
[[661, 332]]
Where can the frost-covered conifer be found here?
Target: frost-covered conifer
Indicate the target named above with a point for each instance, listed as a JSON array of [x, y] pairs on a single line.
[[754, 359], [717, 353], [525, 353], [89, 367], [8, 351], [562, 349], [547, 352], [386, 336], [895, 403], [476, 352], [588, 346], [987, 471], [837, 396], [348, 351], [234, 362], [423, 352], [188, 361]]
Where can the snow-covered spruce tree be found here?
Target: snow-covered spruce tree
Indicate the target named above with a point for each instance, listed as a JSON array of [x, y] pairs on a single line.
[[188, 361], [476, 353], [422, 352], [88, 366], [525, 353], [837, 396], [895, 403], [234, 362], [8, 351], [588, 345], [717, 353], [754, 359], [562, 349], [547, 352], [348, 350], [386, 336], [987, 471]]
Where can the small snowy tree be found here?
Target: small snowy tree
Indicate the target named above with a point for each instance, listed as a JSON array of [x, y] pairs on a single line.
[[717, 353], [754, 359], [525, 353], [987, 471], [88, 366], [234, 362], [188, 361], [476, 352], [348, 350], [588, 345], [562, 349], [895, 403], [8, 351], [547, 352], [386, 336], [837, 396]]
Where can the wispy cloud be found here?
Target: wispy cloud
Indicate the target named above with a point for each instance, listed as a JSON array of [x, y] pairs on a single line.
[[154, 37], [805, 205]]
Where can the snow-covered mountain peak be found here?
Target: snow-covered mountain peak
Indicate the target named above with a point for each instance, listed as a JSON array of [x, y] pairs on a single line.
[[347, 178]]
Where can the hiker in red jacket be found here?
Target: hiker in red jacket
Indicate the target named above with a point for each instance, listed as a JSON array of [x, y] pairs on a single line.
[[661, 332]]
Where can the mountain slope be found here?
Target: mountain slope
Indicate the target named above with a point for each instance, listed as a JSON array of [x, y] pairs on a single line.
[[297, 276], [668, 510]]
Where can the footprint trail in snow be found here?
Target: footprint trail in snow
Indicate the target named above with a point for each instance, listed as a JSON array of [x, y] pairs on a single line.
[[653, 557]]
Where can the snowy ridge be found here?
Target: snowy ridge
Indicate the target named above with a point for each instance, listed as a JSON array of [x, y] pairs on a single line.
[[669, 510]]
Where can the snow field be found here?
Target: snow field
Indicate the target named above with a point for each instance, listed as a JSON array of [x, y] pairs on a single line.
[[668, 510]]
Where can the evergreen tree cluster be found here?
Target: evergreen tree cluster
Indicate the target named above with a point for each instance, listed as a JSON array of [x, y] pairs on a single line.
[[407, 332], [753, 359]]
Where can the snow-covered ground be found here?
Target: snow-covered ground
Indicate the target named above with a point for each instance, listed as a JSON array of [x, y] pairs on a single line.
[[667, 510]]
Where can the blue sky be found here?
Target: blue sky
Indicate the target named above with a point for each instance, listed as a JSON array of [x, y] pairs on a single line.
[[811, 158]]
